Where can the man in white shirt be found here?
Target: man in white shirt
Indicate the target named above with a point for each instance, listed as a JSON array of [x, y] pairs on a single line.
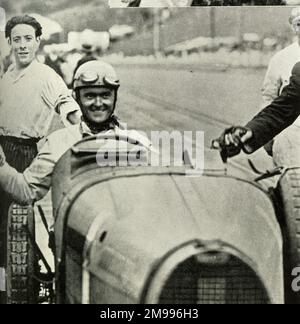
[[30, 94], [278, 76]]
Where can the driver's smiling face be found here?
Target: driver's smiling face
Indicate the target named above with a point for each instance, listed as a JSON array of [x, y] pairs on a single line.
[[97, 103]]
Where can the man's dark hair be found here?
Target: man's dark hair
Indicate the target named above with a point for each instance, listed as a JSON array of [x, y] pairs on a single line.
[[26, 20]]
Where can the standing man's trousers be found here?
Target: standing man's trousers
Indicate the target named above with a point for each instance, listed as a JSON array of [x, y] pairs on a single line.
[[19, 154]]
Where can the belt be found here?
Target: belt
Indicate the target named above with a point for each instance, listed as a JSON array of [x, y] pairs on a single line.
[[18, 140]]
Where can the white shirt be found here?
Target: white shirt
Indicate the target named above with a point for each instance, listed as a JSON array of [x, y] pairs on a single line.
[[279, 73], [28, 103]]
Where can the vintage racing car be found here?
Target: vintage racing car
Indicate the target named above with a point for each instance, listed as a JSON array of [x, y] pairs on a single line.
[[153, 235]]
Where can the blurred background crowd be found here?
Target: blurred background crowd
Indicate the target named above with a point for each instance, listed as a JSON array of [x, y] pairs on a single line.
[[229, 37]]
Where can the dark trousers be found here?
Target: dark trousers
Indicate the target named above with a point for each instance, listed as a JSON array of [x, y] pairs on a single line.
[[19, 154]]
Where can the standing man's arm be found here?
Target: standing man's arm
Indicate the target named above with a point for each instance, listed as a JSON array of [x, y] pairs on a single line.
[[57, 95], [74, 117], [271, 121], [32, 185]]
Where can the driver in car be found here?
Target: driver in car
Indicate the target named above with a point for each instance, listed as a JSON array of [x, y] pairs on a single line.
[[95, 88], [274, 119]]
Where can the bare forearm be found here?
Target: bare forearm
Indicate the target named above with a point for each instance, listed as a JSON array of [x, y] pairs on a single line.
[[15, 185], [74, 117]]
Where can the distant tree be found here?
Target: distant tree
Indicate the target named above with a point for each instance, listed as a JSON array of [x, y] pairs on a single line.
[[35, 6], [8, 5]]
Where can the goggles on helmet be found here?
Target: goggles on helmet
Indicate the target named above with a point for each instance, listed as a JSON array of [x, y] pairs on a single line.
[[89, 78]]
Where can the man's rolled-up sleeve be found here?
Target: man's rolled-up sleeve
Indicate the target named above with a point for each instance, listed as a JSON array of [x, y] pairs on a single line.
[[58, 96], [280, 114]]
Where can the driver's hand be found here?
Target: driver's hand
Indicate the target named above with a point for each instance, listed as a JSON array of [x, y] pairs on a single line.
[[232, 141], [2, 157]]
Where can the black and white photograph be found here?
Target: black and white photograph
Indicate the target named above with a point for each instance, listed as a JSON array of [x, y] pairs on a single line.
[[149, 156]]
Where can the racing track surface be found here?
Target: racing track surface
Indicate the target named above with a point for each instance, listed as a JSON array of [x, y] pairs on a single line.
[[187, 99], [191, 98], [199, 99]]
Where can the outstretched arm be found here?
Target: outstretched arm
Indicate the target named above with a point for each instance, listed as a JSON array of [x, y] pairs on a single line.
[[32, 185], [57, 96], [271, 121], [280, 114]]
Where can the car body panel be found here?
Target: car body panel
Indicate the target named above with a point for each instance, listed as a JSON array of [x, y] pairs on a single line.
[[115, 225]]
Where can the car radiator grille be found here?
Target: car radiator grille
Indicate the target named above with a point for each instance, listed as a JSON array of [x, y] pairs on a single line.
[[231, 283]]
